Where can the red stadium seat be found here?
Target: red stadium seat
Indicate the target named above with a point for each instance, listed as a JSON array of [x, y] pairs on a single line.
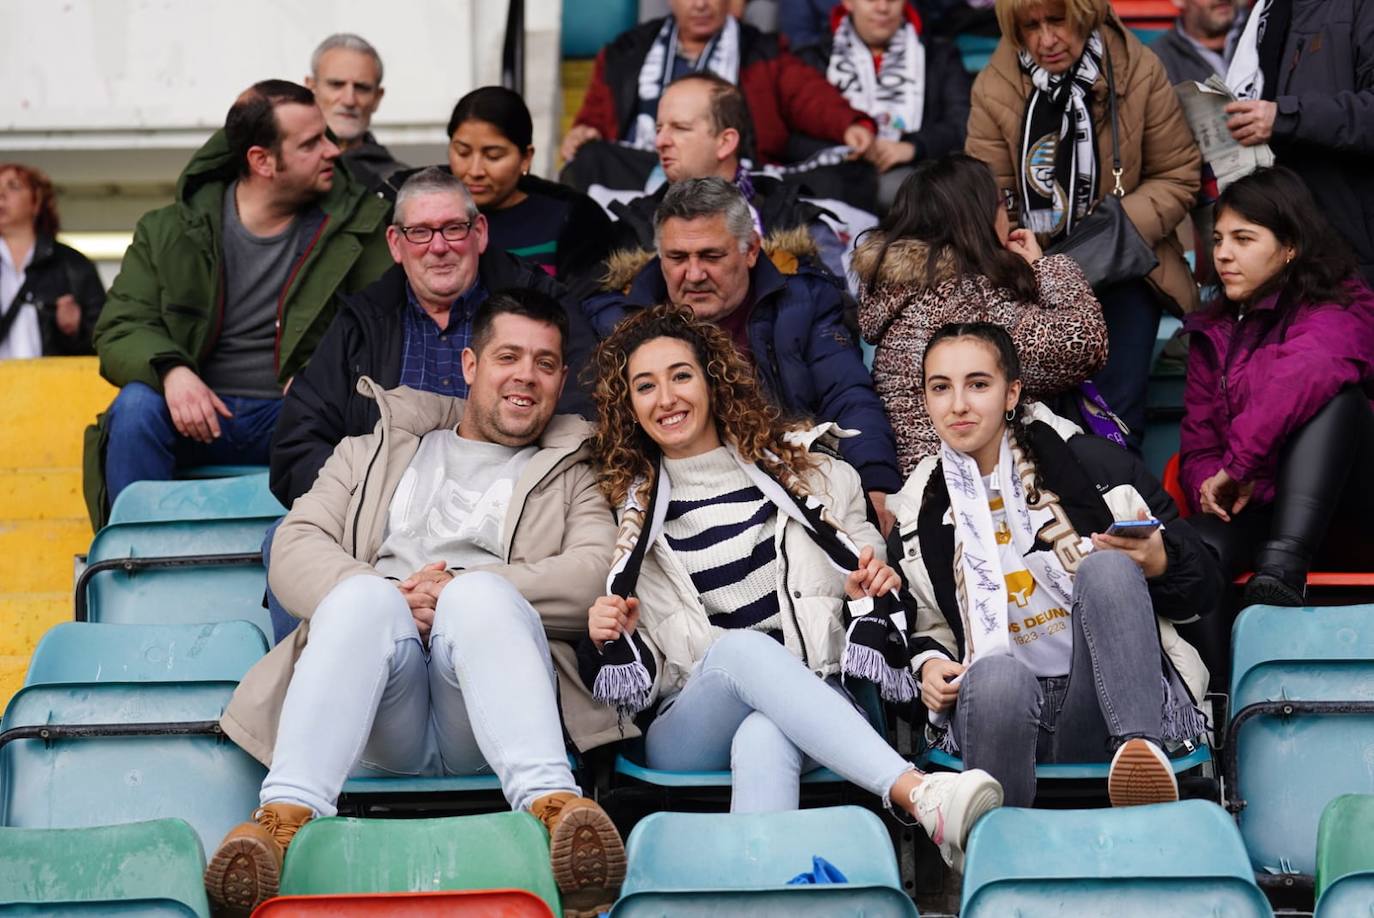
[[475, 903], [1146, 14]]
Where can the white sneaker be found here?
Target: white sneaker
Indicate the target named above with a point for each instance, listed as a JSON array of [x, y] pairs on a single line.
[[947, 806], [1141, 774]]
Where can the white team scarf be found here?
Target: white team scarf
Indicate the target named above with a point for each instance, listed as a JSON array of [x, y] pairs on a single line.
[[894, 94], [721, 56], [1244, 76], [978, 575]]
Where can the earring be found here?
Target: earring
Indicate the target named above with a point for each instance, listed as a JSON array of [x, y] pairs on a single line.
[[1010, 415]]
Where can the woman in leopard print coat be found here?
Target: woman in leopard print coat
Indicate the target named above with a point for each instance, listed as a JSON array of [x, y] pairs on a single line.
[[939, 257]]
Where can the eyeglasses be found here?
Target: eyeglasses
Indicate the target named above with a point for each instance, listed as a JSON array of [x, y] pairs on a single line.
[[422, 235]]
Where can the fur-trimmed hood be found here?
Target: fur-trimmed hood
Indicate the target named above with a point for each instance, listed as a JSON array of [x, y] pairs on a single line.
[[786, 249], [903, 263]]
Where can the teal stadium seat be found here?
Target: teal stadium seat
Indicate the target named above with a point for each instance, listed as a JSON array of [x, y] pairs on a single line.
[[1301, 730], [1182, 859], [1345, 857], [206, 572], [219, 471], [492, 851], [590, 24], [698, 864], [75, 756], [148, 869], [976, 50], [1183, 761], [365, 793], [245, 496], [95, 652]]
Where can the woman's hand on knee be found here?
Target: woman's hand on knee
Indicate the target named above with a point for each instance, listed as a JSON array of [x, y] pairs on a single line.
[[1221, 495], [611, 617], [938, 692]]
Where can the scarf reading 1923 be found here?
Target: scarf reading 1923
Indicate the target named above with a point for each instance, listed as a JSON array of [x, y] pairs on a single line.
[[893, 94], [1059, 168], [721, 56]]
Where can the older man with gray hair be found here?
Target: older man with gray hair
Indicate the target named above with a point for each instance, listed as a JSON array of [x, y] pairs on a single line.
[[792, 320], [346, 77]]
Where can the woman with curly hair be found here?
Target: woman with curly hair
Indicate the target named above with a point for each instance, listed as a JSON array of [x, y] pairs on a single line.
[[740, 548]]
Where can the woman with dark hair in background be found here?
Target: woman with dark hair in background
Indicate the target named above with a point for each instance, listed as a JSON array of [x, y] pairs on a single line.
[[1278, 430], [50, 294], [490, 149], [945, 253]]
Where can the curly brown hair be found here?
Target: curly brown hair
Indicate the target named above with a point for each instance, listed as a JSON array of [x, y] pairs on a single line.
[[45, 220], [744, 417]]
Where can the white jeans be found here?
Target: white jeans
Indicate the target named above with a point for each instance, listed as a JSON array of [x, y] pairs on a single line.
[[366, 698]]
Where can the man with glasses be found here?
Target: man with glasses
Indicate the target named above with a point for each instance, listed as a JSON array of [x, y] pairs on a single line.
[[409, 329]]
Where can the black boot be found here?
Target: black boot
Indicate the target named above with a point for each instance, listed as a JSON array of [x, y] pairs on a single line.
[[1280, 576]]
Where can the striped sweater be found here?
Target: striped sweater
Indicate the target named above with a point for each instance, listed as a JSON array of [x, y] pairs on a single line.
[[720, 526]]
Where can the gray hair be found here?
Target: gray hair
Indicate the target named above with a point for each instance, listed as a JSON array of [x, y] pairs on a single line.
[[349, 41], [432, 180], [691, 199]]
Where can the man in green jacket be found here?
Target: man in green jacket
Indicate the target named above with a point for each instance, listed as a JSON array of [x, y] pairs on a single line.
[[223, 294]]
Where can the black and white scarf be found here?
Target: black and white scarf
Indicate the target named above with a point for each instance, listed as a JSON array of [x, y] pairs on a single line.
[[1254, 70], [875, 642], [721, 56], [893, 93], [1059, 168]]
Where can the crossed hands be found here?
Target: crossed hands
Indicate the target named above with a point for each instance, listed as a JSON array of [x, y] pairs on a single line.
[[421, 592]]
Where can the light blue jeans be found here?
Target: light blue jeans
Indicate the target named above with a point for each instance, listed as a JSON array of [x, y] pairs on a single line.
[[754, 707], [366, 698]]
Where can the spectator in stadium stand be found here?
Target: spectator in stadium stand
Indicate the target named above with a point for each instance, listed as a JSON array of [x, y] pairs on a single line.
[[224, 294], [785, 96], [50, 294], [346, 75], [561, 230], [914, 86], [939, 258], [703, 128], [1040, 636], [1307, 89], [1278, 435], [1202, 41], [439, 566], [791, 328], [726, 508], [1042, 100]]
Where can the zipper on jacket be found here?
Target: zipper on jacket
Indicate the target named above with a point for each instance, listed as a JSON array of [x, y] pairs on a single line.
[[291, 279], [791, 606], [362, 496]]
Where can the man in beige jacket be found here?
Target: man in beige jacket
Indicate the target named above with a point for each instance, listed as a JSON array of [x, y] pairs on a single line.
[[439, 565]]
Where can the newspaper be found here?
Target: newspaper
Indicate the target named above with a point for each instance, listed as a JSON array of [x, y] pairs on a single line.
[[1204, 105]]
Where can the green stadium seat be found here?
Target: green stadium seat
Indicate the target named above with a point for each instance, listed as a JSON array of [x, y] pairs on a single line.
[[491, 851], [142, 868], [1345, 857], [84, 755], [698, 864], [95, 652], [1301, 728], [240, 497], [476, 903], [1183, 859]]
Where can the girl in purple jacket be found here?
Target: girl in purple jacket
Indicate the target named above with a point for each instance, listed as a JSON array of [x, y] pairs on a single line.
[[1278, 430]]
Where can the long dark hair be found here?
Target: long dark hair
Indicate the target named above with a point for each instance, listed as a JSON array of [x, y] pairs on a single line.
[[502, 108], [951, 204], [1322, 265], [1009, 362]]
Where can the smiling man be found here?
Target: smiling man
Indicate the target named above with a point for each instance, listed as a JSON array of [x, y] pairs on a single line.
[[440, 565], [224, 293], [346, 76]]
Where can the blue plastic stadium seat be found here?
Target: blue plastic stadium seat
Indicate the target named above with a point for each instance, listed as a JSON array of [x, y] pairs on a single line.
[[1288, 764], [590, 24], [95, 652], [244, 496], [697, 864], [1185, 760], [62, 781], [149, 869], [219, 471], [1181, 859]]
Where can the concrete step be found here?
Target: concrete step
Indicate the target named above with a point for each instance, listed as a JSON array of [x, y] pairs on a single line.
[[40, 494], [36, 555], [47, 405], [28, 616]]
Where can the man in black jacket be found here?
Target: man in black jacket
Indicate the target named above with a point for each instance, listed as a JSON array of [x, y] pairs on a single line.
[[408, 328]]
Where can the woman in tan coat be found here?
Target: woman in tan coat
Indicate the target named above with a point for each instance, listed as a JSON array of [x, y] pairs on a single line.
[[1042, 102]]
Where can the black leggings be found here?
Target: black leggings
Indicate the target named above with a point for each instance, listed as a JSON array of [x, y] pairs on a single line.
[[1327, 465]]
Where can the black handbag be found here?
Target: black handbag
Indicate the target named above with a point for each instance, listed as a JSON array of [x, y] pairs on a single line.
[[1105, 244]]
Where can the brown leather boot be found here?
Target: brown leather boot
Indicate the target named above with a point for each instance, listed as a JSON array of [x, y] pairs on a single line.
[[246, 869], [585, 850]]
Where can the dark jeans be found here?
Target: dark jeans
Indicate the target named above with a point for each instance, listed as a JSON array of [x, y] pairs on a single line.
[[1131, 312], [1006, 719], [283, 622], [1315, 484], [145, 446]]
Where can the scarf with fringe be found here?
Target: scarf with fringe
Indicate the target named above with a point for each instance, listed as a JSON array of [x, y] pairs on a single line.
[[893, 93]]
